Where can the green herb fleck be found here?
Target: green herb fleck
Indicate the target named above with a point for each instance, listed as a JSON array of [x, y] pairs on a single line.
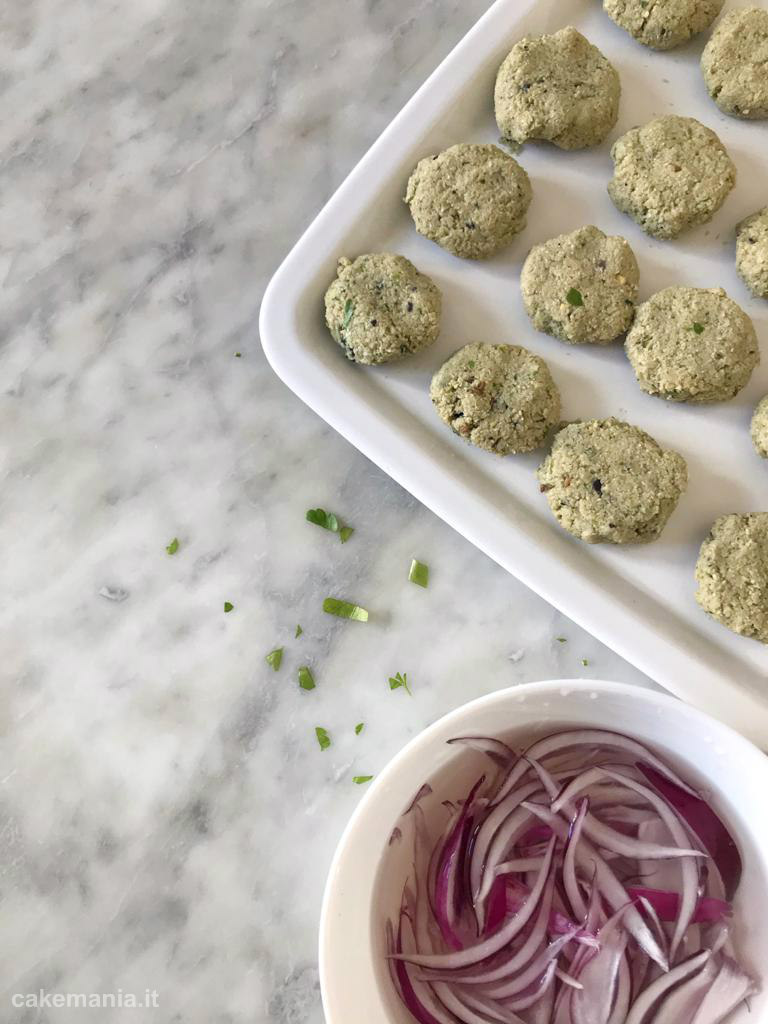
[[275, 658], [173, 547], [329, 521], [584, 661], [238, 355], [349, 312], [698, 328], [344, 609], [471, 364], [228, 606], [419, 573], [298, 632], [322, 737], [574, 297], [561, 639], [360, 780], [359, 728], [397, 681], [306, 679]]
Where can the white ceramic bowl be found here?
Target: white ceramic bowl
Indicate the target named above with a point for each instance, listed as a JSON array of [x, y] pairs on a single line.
[[367, 875]]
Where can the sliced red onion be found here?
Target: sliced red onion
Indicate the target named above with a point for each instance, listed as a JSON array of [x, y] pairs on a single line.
[[623, 993], [717, 840], [650, 996], [587, 737], [582, 833], [593, 1003], [572, 890], [498, 751], [667, 905], [421, 793], [729, 988], [462, 1007], [604, 836], [688, 869], [474, 954], [612, 889], [515, 962], [533, 971]]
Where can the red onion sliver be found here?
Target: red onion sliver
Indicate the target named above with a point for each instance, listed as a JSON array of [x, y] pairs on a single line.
[[611, 888], [498, 751], [593, 1004], [645, 1002], [667, 905], [474, 954], [729, 988], [689, 870], [584, 737], [623, 993], [716, 838], [572, 890], [464, 1011], [533, 971]]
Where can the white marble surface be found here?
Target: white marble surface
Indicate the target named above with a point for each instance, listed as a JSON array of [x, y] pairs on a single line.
[[167, 816]]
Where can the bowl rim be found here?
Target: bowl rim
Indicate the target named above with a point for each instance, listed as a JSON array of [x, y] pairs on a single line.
[[738, 744]]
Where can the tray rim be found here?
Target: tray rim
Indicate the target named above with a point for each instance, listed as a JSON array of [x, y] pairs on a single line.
[[379, 439]]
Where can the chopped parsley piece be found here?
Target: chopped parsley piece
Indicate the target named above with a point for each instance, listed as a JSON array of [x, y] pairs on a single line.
[[173, 547], [228, 606], [238, 355], [574, 297], [275, 658], [398, 680], [584, 661], [322, 737], [471, 364], [360, 780], [359, 728], [561, 639], [298, 632], [349, 312], [329, 521], [344, 609], [419, 573], [698, 328], [306, 679]]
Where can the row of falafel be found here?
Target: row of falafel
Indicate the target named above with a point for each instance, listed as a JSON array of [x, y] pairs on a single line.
[[604, 480]]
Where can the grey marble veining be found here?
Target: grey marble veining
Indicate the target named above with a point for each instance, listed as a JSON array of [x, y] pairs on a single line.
[[166, 816]]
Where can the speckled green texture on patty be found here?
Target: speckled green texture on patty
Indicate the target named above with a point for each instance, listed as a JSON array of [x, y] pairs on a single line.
[[759, 428], [752, 250], [663, 24], [732, 573], [499, 397], [581, 287], [670, 175], [609, 482], [380, 308], [559, 88], [735, 63], [471, 200], [692, 345]]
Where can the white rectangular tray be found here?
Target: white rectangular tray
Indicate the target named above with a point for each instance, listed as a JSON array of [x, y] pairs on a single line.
[[638, 600]]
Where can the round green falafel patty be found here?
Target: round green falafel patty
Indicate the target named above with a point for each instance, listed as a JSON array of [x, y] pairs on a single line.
[[734, 63], [692, 345], [499, 397], [752, 252], [670, 175], [471, 200], [609, 482], [559, 88], [732, 573], [581, 287], [663, 24], [381, 308], [759, 428]]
